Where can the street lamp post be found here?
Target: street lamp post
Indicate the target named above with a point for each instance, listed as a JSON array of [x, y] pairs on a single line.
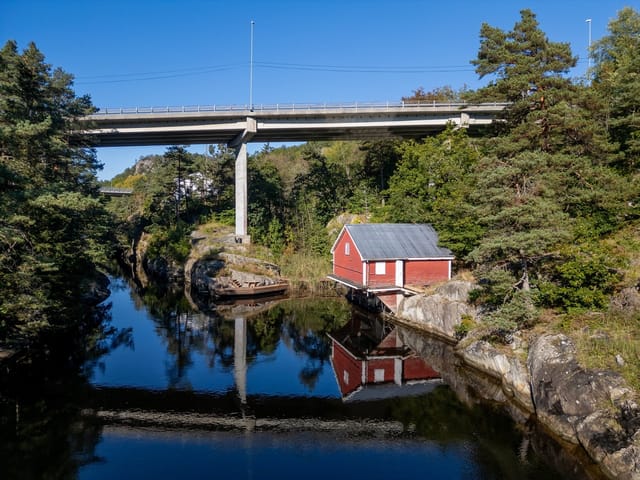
[[251, 69], [588, 20]]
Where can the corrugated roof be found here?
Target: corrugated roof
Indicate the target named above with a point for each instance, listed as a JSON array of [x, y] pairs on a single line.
[[377, 241]]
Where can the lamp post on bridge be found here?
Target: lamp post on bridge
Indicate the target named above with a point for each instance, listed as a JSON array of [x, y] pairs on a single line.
[[251, 68], [588, 20]]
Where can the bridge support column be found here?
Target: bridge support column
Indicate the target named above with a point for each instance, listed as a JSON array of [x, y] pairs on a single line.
[[240, 144], [241, 194]]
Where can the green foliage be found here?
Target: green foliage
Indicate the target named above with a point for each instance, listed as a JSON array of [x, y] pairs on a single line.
[[517, 313], [496, 288], [616, 79], [547, 112], [432, 184], [523, 61], [266, 200], [275, 237], [53, 227], [437, 95], [464, 327], [172, 243], [523, 222], [225, 217], [585, 279]]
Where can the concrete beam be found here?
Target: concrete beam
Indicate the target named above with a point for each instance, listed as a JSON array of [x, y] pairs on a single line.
[[250, 129]]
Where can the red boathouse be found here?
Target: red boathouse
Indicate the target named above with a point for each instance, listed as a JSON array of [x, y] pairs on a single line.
[[389, 256]]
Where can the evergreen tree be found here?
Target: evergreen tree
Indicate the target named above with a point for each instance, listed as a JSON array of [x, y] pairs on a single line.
[[616, 78], [547, 112], [52, 225]]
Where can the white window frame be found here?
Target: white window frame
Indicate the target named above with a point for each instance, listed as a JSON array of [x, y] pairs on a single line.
[[381, 268], [347, 249], [378, 375]]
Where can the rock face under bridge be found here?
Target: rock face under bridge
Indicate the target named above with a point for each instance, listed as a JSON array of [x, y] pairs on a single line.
[[542, 378]]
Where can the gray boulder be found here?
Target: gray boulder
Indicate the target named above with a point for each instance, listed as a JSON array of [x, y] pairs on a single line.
[[591, 407], [441, 311]]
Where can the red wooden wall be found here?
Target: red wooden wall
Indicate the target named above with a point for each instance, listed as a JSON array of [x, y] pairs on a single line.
[[388, 279], [347, 266], [420, 272]]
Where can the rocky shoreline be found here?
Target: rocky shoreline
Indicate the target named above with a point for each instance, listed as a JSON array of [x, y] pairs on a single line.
[[540, 377]]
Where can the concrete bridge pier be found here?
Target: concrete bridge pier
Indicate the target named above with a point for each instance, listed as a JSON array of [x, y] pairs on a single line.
[[240, 146], [241, 195]]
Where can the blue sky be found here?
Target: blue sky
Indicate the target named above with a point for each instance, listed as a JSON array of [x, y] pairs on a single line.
[[127, 53]]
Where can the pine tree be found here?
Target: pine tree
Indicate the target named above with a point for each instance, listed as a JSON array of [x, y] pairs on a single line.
[[616, 77], [52, 225], [547, 112]]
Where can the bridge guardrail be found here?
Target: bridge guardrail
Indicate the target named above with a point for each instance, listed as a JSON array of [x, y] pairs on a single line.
[[292, 107]]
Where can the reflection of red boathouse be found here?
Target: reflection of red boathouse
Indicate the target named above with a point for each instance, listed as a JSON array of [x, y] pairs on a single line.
[[371, 363]]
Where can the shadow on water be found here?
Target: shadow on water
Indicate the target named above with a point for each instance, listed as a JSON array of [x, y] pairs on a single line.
[[259, 391]]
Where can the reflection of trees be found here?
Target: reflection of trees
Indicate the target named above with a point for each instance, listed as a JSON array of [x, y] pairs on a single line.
[[300, 325], [307, 325], [45, 438], [440, 417], [265, 330], [317, 349], [186, 332], [43, 433]]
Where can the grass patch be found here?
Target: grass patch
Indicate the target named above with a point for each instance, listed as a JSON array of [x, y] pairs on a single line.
[[305, 267], [600, 337]]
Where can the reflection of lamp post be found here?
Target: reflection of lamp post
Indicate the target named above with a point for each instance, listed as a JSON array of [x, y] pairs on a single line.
[[588, 20], [251, 69]]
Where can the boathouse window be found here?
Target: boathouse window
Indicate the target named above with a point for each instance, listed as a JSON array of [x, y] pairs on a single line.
[[380, 268], [378, 375], [345, 377], [347, 248]]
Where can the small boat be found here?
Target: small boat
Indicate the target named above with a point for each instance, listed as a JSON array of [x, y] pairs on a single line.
[[250, 290]]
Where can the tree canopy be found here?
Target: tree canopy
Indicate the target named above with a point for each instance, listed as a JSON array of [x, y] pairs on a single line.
[[53, 228]]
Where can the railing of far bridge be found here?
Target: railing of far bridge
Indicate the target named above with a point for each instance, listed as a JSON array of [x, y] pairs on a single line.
[[301, 107], [116, 192]]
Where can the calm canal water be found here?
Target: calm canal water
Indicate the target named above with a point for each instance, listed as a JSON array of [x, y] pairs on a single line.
[[295, 389]]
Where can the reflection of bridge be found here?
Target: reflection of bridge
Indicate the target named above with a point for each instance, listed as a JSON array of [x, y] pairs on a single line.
[[182, 409], [236, 126]]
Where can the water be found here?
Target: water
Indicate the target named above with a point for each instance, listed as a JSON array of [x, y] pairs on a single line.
[[309, 389]]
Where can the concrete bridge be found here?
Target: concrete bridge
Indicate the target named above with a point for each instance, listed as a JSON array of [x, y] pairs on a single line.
[[116, 192], [236, 126]]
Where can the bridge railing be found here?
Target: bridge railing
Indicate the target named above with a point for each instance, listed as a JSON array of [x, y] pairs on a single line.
[[296, 107]]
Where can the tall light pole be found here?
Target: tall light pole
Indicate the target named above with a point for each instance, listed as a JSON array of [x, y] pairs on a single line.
[[251, 69], [588, 20]]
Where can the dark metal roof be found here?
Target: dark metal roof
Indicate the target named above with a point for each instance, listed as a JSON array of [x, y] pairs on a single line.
[[377, 241]]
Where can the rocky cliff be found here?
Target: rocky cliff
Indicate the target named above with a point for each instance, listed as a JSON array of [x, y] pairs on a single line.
[[540, 377]]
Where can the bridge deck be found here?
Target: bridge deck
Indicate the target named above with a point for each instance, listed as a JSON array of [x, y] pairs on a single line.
[[203, 125]]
